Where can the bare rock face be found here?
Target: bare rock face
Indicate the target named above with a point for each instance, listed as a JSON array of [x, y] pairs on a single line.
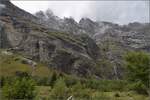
[[129, 36], [113, 39], [23, 33], [13, 11], [134, 35], [4, 43]]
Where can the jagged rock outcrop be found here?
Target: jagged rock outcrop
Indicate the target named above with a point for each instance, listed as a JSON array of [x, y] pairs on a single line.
[[134, 35], [136, 38], [4, 43], [13, 11], [26, 35]]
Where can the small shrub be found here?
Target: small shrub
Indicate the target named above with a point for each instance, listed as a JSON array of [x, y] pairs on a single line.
[[19, 89], [21, 74], [138, 67], [117, 95], [100, 96], [70, 81], [41, 80], [79, 91], [2, 79], [106, 85], [138, 87], [5, 80], [60, 90], [53, 78]]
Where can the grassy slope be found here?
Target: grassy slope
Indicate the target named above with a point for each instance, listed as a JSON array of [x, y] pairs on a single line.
[[44, 92], [9, 64]]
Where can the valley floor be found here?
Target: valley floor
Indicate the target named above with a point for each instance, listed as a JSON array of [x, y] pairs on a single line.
[[44, 92]]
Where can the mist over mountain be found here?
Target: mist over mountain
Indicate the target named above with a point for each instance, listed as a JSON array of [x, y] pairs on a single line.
[[120, 12], [96, 30]]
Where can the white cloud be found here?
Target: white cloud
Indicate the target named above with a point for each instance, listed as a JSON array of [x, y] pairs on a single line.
[[121, 12], [32, 6]]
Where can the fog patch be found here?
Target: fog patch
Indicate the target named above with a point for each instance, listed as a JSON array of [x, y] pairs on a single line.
[[121, 12]]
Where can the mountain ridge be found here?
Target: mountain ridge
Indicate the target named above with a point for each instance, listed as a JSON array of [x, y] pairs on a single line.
[[97, 30]]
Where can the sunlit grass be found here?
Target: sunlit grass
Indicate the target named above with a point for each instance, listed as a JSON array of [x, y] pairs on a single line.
[[10, 64], [44, 92]]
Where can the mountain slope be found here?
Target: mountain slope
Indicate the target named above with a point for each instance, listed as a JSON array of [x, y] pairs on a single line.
[[22, 33], [114, 40]]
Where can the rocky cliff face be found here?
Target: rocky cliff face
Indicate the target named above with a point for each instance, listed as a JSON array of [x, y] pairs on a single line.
[[23, 33], [114, 40], [134, 35]]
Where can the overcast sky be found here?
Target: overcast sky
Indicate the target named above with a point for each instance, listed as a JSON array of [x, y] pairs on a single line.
[[121, 12]]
